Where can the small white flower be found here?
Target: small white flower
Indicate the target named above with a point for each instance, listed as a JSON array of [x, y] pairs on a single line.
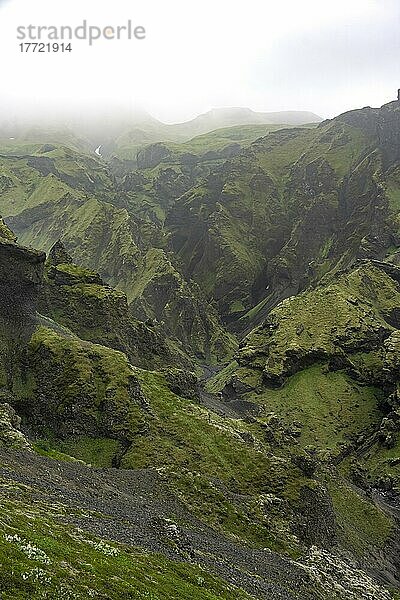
[[29, 549], [104, 548], [37, 575]]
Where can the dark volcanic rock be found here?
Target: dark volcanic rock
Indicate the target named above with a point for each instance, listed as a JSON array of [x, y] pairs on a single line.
[[58, 254]]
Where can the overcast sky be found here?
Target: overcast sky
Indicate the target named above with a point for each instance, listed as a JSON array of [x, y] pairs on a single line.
[[315, 55]]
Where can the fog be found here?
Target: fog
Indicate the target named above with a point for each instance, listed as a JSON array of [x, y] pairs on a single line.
[[324, 57]]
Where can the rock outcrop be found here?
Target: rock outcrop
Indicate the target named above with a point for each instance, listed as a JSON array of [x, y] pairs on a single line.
[[21, 274], [333, 322], [10, 435]]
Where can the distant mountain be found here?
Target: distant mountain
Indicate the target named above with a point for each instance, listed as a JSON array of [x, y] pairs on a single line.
[[228, 117], [113, 125], [22, 139], [123, 134], [146, 130]]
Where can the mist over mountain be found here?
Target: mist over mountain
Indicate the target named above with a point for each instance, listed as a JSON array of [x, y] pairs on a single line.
[[106, 125]]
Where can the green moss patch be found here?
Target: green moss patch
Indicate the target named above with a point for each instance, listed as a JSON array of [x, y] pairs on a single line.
[[361, 523], [331, 408]]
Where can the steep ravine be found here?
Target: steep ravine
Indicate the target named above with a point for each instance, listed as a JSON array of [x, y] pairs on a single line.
[[138, 433]]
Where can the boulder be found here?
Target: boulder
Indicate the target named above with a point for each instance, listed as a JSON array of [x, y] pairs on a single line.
[[10, 435]]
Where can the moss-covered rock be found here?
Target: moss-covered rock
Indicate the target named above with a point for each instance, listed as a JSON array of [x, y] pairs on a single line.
[[77, 388], [183, 383], [6, 233], [347, 315], [10, 435], [79, 299]]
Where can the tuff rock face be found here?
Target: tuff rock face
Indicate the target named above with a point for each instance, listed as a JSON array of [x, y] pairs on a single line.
[[80, 300], [21, 274]]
